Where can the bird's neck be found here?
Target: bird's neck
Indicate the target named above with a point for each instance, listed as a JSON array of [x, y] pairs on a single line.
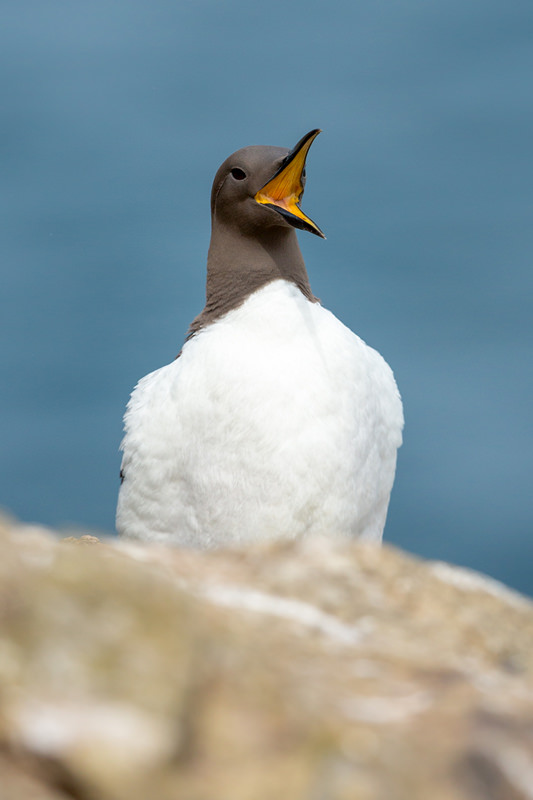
[[238, 265]]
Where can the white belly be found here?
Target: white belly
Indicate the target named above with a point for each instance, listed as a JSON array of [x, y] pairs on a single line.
[[275, 422]]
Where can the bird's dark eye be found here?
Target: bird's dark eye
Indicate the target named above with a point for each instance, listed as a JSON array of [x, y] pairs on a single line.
[[304, 173], [238, 174]]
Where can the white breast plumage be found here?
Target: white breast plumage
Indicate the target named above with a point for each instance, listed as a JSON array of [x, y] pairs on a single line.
[[275, 421]]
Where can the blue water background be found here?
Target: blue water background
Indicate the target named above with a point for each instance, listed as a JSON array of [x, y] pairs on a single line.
[[114, 118]]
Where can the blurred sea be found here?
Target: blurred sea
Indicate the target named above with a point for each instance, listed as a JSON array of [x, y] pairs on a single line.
[[114, 119]]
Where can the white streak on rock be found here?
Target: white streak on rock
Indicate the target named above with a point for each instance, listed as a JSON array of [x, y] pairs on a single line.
[[470, 581], [387, 710], [56, 728], [245, 599]]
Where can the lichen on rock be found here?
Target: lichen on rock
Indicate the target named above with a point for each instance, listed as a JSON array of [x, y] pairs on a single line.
[[317, 669]]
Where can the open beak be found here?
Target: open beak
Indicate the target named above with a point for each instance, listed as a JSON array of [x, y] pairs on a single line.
[[284, 190]]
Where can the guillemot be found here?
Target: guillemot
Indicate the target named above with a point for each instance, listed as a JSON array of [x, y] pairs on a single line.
[[276, 420]]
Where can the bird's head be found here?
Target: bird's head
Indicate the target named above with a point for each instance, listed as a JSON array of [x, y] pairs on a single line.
[[261, 187]]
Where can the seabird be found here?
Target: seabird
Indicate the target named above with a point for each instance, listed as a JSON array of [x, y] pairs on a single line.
[[275, 420]]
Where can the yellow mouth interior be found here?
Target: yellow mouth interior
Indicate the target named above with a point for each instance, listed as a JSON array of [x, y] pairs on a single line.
[[286, 188]]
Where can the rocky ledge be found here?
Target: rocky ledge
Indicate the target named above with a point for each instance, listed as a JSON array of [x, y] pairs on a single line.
[[320, 670]]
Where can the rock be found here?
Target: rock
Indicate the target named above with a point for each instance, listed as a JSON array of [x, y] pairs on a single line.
[[85, 539], [307, 671]]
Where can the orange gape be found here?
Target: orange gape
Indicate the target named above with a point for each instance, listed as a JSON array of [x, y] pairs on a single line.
[[285, 188]]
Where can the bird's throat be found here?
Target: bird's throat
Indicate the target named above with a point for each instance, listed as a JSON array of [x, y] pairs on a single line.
[[238, 265]]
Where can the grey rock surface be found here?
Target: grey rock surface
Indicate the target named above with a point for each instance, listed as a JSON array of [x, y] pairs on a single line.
[[319, 670]]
